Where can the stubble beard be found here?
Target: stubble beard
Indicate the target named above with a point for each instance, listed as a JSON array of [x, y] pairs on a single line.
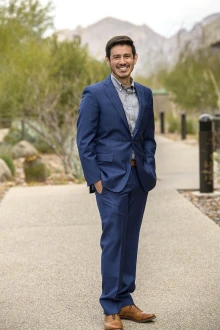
[[124, 74]]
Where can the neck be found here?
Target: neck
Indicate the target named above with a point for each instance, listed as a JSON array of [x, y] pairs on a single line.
[[124, 81]]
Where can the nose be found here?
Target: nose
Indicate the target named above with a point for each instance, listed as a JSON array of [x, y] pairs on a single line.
[[122, 60]]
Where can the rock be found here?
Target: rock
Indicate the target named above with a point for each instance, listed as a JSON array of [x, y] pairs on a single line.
[[209, 205], [5, 173], [3, 133], [24, 149]]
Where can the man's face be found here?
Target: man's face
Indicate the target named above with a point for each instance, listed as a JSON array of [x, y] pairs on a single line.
[[121, 61]]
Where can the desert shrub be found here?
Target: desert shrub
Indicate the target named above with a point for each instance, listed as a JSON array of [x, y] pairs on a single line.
[[191, 126], [78, 172], [217, 159], [35, 170], [13, 136], [7, 157], [42, 146], [156, 116], [173, 123]]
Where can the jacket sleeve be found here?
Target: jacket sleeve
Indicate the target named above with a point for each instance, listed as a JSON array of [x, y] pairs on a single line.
[[149, 145], [87, 126]]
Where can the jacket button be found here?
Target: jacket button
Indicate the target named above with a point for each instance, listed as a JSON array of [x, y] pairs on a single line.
[[129, 160]]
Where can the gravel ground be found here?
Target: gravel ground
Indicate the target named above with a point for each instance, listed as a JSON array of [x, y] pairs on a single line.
[[209, 205]]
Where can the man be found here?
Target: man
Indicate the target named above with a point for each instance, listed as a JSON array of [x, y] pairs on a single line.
[[116, 145]]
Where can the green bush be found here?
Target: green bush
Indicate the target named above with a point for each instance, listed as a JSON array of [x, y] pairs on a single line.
[[42, 146], [173, 123], [217, 159], [35, 170], [156, 116], [15, 135], [191, 126], [7, 157], [78, 172]]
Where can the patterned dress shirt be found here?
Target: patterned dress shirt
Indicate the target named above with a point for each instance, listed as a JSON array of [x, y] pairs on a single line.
[[130, 103]]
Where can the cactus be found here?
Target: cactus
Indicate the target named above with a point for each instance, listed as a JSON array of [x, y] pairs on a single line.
[[8, 160], [34, 169]]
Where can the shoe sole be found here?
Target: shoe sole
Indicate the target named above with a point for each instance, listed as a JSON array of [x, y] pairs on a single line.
[[144, 321]]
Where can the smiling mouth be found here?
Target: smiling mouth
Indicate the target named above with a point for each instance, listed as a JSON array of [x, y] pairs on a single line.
[[122, 69]]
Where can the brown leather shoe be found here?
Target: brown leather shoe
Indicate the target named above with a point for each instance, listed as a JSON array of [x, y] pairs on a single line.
[[133, 313], [113, 322]]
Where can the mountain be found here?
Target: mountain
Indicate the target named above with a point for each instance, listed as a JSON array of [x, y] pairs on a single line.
[[154, 50], [203, 34]]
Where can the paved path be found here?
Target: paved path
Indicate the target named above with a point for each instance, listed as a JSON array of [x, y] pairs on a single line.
[[177, 164], [49, 255]]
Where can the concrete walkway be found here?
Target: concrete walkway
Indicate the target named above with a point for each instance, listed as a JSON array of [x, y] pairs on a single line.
[[50, 254]]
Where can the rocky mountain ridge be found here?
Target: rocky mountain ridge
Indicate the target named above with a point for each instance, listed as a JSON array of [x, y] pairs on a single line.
[[154, 50]]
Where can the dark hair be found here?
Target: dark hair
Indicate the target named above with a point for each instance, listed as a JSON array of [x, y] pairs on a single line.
[[119, 40]]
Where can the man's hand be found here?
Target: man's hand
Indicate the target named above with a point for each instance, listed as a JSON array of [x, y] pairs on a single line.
[[98, 186]]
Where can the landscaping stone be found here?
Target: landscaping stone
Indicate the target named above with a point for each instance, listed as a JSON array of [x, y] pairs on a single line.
[[24, 149]]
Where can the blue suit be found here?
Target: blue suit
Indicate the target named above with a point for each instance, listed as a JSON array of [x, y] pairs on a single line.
[[105, 147]]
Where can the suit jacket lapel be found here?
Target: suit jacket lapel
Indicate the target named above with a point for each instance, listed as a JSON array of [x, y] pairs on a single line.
[[115, 99], [141, 110]]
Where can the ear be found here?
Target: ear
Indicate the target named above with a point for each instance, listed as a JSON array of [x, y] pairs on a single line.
[[135, 58], [107, 60]]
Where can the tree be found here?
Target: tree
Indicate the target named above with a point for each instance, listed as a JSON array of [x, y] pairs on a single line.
[[26, 18], [56, 94], [195, 80], [41, 79], [22, 25]]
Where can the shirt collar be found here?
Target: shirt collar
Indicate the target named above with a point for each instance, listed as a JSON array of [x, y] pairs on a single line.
[[119, 85]]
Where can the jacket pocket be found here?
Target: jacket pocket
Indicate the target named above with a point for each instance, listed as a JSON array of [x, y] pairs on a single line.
[[104, 157]]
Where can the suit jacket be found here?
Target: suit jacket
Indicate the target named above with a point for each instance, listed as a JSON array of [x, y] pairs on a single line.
[[104, 140]]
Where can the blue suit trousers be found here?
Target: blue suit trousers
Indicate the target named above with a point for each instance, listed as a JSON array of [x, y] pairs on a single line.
[[121, 215]]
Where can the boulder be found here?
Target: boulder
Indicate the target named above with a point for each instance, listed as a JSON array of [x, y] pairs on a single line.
[[5, 173], [24, 149]]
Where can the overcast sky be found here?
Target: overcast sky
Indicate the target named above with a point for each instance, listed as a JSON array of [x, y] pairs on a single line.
[[165, 17]]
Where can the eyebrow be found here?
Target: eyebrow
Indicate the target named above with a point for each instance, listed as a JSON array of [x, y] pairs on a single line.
[[126, 54]]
